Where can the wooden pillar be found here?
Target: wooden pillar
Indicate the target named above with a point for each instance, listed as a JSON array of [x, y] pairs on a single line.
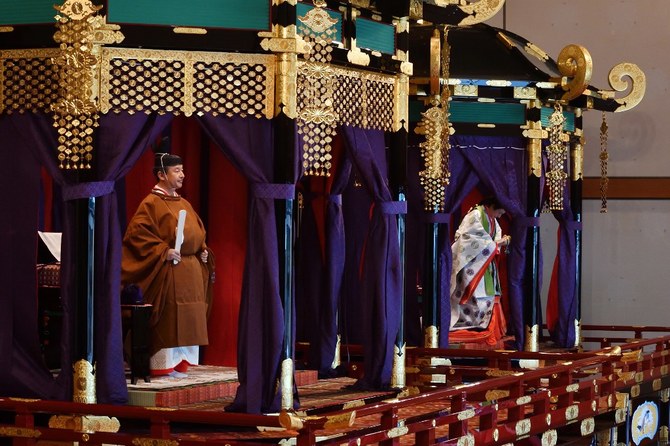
[[285, 43], [398, 182], [431, 275], [576, 185], [531, 302], [83, 291]]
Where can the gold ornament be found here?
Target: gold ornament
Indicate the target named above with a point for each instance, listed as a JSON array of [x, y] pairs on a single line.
[[557, 154], [435, 149], [317, 119], [76, 111], [604, 157]]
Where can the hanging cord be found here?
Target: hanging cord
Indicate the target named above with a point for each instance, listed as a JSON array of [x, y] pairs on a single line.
[[604, 157]]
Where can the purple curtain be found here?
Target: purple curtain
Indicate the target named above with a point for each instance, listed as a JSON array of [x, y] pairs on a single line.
[[22, 371], [500, 165], [319, 283], [248, 143], [563, 333], [119, 141], [356, 202], [381, 290]]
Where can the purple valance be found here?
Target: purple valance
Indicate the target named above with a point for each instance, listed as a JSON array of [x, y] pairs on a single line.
[[86, 190]]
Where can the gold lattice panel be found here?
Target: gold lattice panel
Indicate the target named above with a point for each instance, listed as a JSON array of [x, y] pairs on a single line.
[[187, 82], [349, 99], [28, 80], [365, 100], [233, 88]]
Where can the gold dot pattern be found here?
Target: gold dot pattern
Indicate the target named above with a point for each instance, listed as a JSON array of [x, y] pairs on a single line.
[[230, 89], [146, 85], [29, 84]]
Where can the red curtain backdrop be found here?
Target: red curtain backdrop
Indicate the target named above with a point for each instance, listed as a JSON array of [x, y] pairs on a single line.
[[225, 205], [47, 200], [227, 235]]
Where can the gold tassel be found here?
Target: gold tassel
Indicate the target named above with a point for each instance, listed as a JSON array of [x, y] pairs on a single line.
[[557, 153], [604, 157], [436, 127]]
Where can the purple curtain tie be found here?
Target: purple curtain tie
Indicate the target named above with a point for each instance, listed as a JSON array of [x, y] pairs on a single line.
[[439, 217], [393, 207], [573, 225], [87, 190], [527, 222], [277, 191]]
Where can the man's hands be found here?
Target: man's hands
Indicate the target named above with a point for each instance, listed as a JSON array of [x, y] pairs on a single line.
[[173, 254]]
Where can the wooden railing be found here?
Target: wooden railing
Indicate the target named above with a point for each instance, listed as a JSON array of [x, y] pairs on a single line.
[[460, 397]]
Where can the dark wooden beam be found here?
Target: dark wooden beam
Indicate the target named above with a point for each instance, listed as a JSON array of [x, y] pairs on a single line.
[[629, 188]]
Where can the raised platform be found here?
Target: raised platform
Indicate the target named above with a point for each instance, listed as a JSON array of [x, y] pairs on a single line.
[[203, 383]]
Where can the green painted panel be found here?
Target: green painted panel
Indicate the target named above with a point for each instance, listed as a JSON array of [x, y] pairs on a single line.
[[487, 112], [415, 110], [23, 12], [375, 36], [302, 9], [245, 14], [568, 125]]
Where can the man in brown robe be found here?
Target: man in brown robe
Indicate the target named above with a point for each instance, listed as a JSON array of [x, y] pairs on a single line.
[[174, 281]]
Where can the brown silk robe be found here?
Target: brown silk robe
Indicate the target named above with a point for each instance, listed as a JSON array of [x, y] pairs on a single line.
[[178, 292]]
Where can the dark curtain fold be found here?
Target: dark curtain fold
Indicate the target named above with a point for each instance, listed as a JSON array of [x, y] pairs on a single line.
[[321, 261], [381, 287], [248, 143], [119, 141], [563, 294], [500, 165], [22, 371], [356, 203], [415, 248]]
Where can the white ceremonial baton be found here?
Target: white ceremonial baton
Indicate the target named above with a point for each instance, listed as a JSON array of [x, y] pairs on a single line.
[[181, 220]]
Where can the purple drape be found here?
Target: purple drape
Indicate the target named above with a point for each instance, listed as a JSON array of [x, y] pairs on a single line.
[[381, 288], [321, 273], [500, 165], [248, 144], [356, 202], [563, 333], [119, 141], [22, 372]]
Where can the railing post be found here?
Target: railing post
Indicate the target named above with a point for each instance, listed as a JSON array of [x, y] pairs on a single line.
[[458, 428], [389, 421]]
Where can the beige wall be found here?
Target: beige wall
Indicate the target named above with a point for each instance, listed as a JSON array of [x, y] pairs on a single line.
[[626, 251]]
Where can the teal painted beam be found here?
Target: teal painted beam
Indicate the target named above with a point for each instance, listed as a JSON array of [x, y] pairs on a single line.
[[247, 14]]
